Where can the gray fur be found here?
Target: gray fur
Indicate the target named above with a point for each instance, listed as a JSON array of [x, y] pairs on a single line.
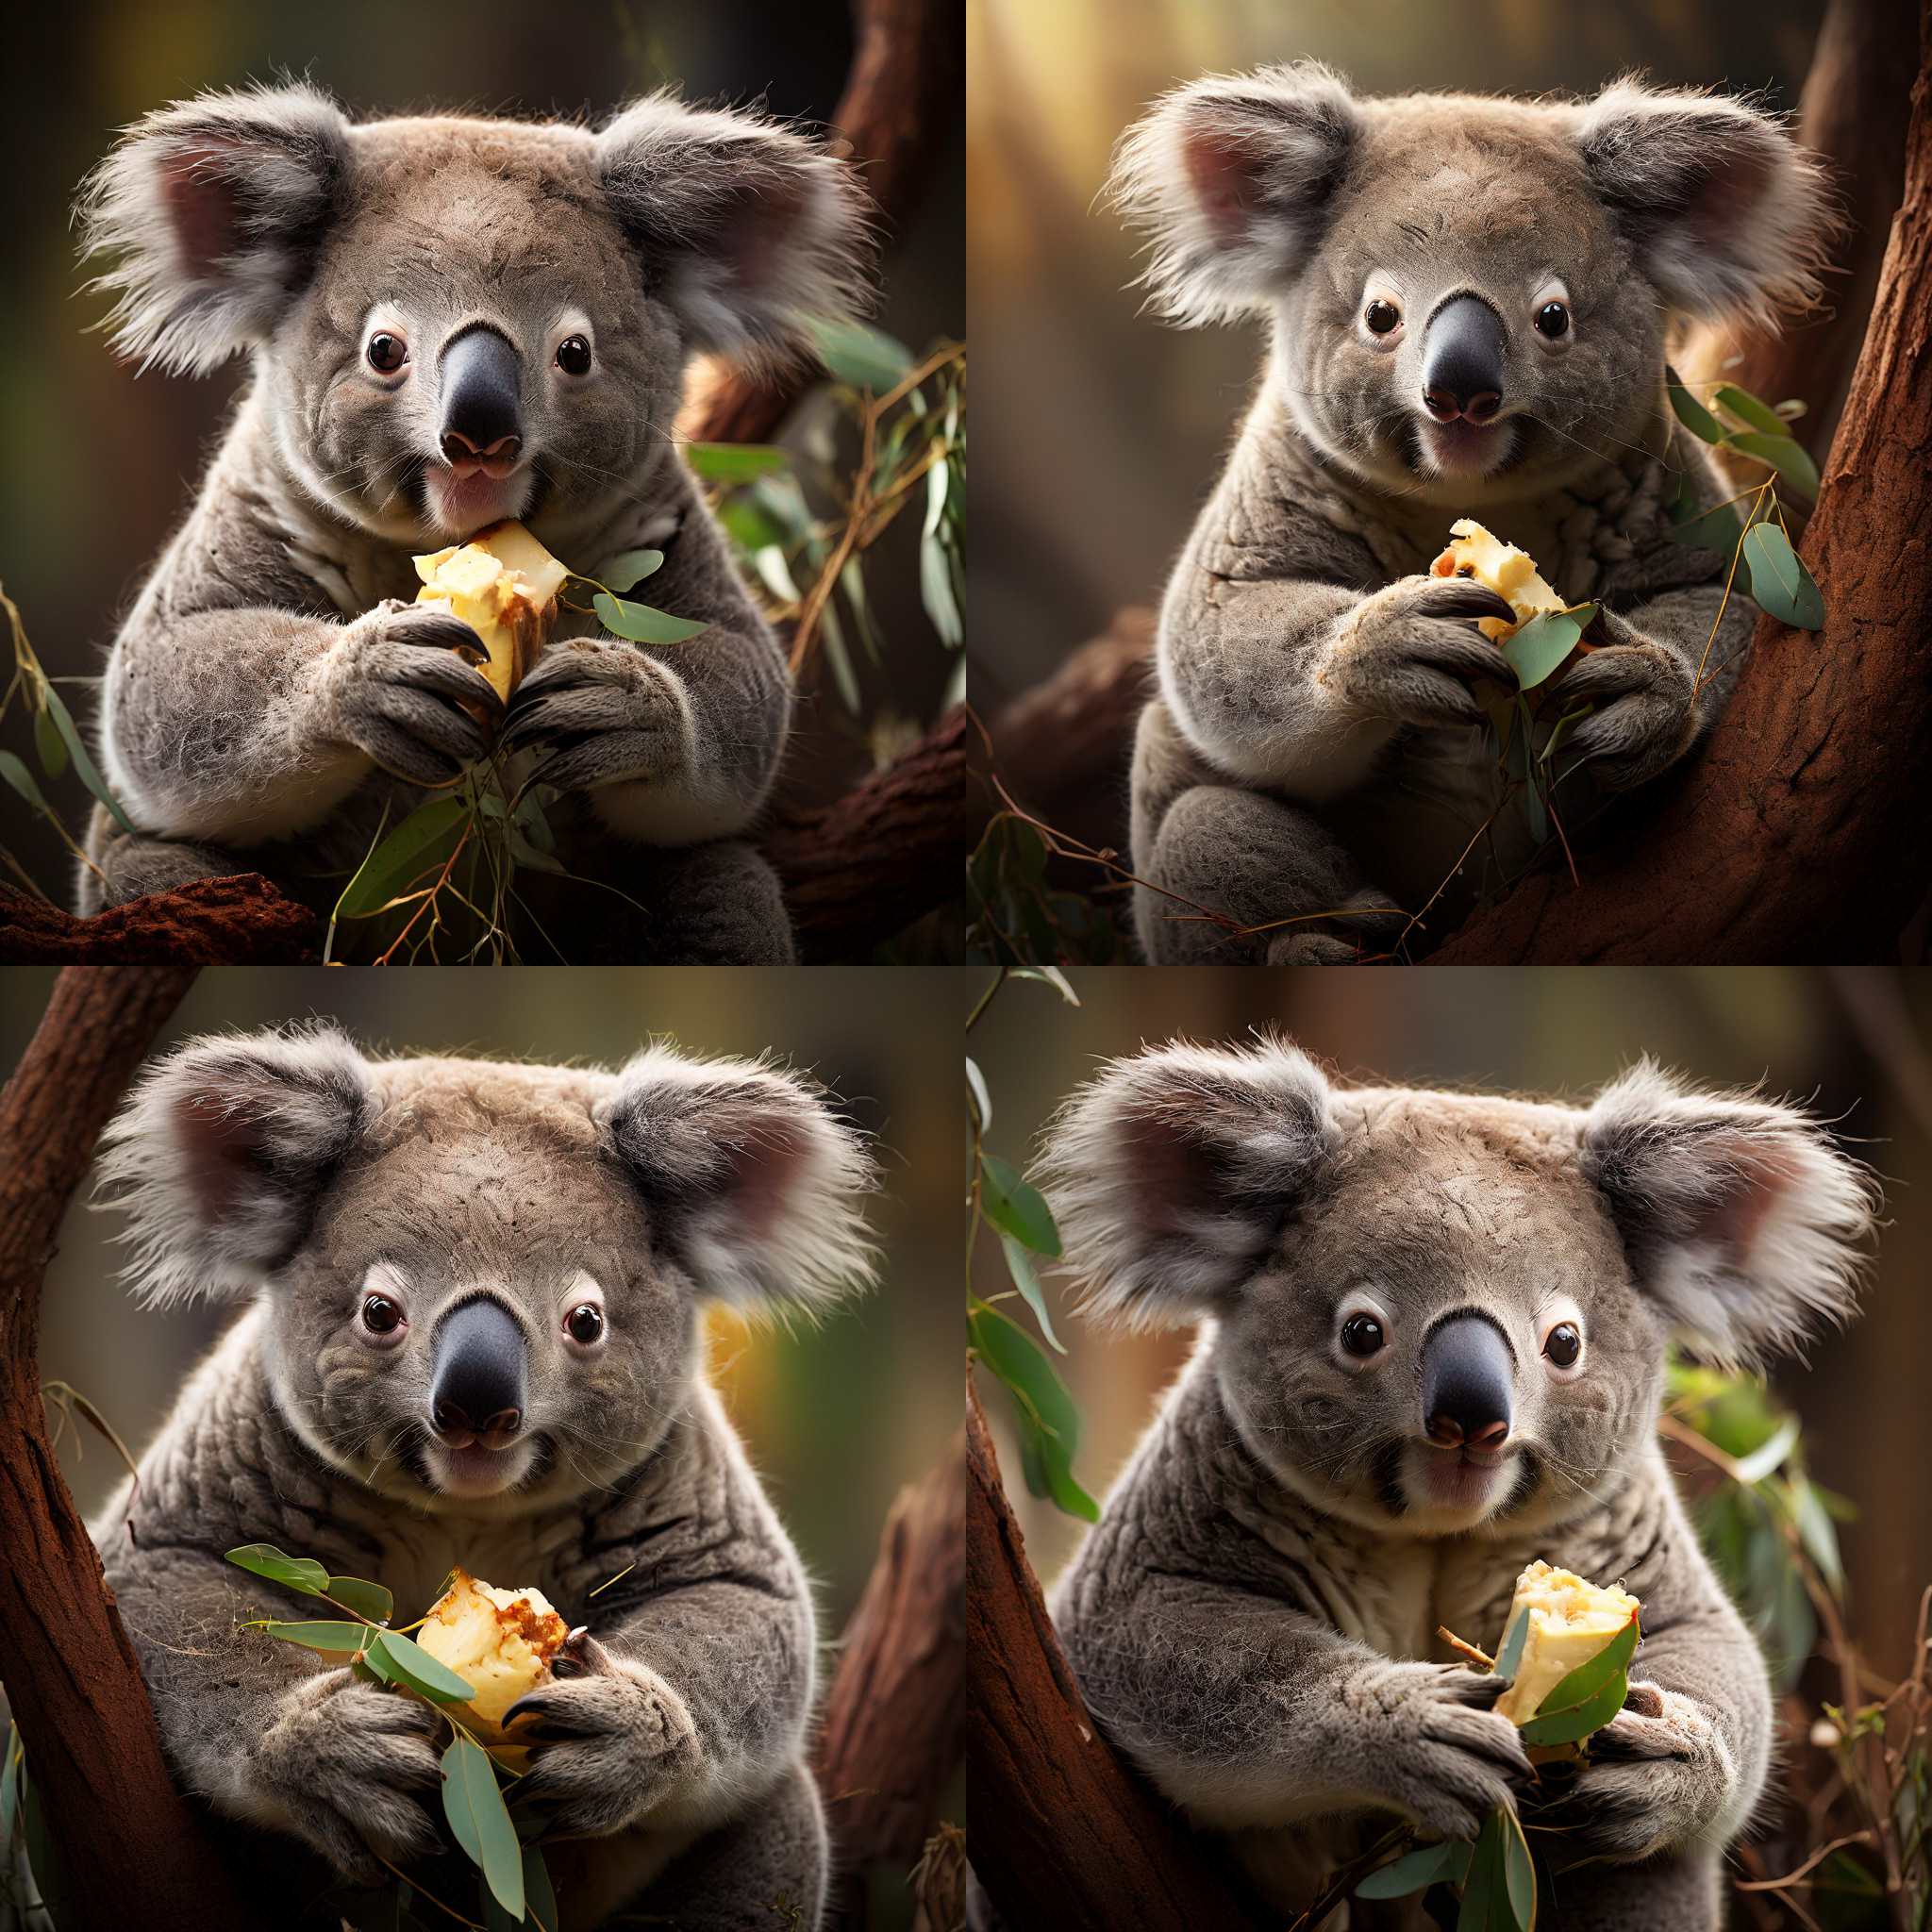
[[274, 689], [289, 1169], [1254, 1620], [1305, 656]]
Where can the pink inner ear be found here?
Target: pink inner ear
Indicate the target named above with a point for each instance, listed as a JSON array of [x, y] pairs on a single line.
[[1759, 1179], [764, 1163], [759, 227], [1222, 172], [1724, 201], [219, 1145], [1169, 1169], [202, 207]]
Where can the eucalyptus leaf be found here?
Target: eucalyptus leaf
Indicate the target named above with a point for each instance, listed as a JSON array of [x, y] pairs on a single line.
[[1535, 651], [1790, 460], [1050, 975], [48, 742], [1518, 1870], [1573, 1723], [302, 1574], [629, 569], [1747, 408], [1779, 581], [1510, 1656], [1048, 1421], [366, 1599], [84, 767], [735, 462], [980, 1099], [1016, 1208], [24, 782], [1483, 1893], [1770, 1456], [856, 354], [539, 1896], [11, 1773], [642, 624], [408, 1661], [415, 845], [329, 1635], [1419, 1869], [1817, 1533], [1690, 411], [1025, 1275], [479, 1820]]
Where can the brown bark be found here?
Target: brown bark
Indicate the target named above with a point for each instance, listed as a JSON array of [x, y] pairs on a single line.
[[890, 1740], [121, 1832], [902, 95], [241, 921], [1062, 1833]]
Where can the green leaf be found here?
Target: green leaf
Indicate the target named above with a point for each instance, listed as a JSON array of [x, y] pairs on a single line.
[[48, 742], [11, 1775], [302, 1574], [1690, 413], [1522, 766], [1588, 1698], [631, 567], [1816, 1532], [735, 462], [1050, 975], [329, 1635], [1016, 1208], [1511, 1656], [23, 781], [1048, 1421], [1747, 408], [403, 1659], [418, 844], [856, 354], [84, 766], [1483, 1894], [1771, 1455], [1541, 647], [1026, 1279], [1426, 1866], [539, 1896], [935, 564], [1518, 1870], [978, 1097], [642, 624], [366, 1599], [479, 1820], [1790, 460], [1719, 528], [1779, 581]]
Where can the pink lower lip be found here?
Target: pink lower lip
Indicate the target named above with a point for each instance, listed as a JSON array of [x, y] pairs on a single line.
[[475, 1467], [1462, 445], [1461, 1476], [472, 494]]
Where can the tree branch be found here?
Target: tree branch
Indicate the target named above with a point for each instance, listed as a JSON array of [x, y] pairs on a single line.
[[243, 921], [120, 1830]]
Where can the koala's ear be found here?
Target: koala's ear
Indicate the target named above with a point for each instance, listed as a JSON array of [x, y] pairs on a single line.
[[220, 1152], [1729, 217], [753, 1182], [1232, 177], [1739, 1214], [208, 214], [746, 228], [1172, 1174]]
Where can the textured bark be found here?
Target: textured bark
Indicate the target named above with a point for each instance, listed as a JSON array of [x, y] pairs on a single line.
[[1063, 1832], [241, 921], [1788, 838], [123, 1836], [890, 1740]]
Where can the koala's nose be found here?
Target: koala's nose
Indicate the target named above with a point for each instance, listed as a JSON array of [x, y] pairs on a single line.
[[477, 1368], [482, 419], [1466, 1377], [1462, 361]]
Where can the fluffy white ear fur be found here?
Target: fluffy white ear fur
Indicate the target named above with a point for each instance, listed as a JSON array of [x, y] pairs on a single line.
[[1739, 1214], [1172, 1173], [1730, 218], [1231, 177], [219, 1152], [206, 214], [747, 228], [753, 1183]]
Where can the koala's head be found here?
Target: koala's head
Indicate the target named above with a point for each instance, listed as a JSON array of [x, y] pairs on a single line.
[[458, 320], [1471, 295], [479, 1283], [1437, 1312]]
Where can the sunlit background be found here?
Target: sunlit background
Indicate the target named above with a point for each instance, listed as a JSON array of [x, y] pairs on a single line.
[[1852, 1042], [1099, 430]]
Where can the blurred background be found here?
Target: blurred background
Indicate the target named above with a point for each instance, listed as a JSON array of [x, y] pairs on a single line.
[[1100, 431], [837, 1418], [1855, 1043], [99, 466]]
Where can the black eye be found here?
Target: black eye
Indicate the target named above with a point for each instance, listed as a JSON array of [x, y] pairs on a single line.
[[573, 355], [380, 1315], [386, 353], [1381, 317], [1553, 320], [1361, 1336], [1564, 1344], [584, 1324]]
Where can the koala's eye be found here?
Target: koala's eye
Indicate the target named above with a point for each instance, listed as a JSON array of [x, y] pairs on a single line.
[[585, 1323], [386, 352], [573, 355], [380, 1315], [1563, 1344], [1552, 321], [1381, 317], [1363, 1336]]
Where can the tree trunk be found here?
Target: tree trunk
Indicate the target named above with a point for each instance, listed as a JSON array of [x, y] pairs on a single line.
[[125, 1841], [1063, 1833]]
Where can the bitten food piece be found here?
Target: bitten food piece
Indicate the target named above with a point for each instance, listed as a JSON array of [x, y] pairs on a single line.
[[1570, 1620], [1510, 573], [501, 583], [499, 1642]]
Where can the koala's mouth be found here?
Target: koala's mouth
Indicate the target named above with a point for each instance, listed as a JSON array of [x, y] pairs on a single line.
[[461, 498], [474, 1469], [1463, 448], [1463, 1483]]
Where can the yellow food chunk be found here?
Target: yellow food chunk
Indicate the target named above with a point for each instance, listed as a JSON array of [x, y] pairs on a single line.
[[503, 584], [1510, 573], [1570, 1620], [499, 1642]]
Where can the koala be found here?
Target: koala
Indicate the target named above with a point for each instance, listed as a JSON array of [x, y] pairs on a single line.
[[1470, 300], [471, 1336], [450, 321], [1432, 1339]]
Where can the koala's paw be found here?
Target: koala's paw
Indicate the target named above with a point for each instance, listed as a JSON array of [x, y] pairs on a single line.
[[605, 712], [611, 1741], [393, 686], [1645, 719], [1435, 1750], [1408, 652], [342, 1766], [1658, 1775]]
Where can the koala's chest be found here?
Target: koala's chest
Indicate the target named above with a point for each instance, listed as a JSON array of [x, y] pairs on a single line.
[[422, 1551]]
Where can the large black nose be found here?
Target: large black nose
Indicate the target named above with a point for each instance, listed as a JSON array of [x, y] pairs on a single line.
[[476, 1371], [481, 420], [1466, 1377], [1462, 361]]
